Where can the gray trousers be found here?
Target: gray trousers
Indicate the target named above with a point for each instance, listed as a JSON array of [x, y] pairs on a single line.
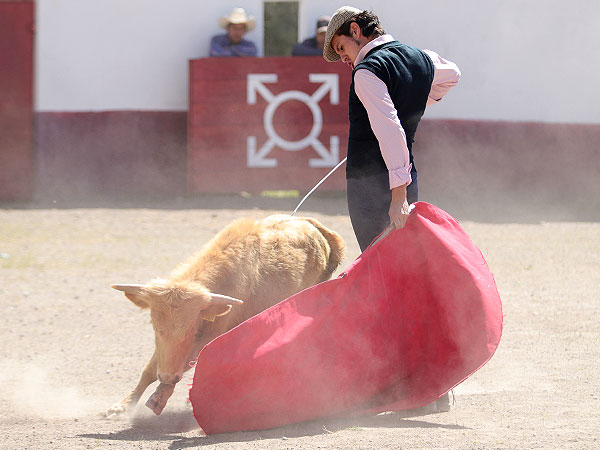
[[369, 203]]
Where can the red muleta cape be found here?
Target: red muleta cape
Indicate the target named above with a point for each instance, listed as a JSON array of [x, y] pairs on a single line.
[[412, 317]]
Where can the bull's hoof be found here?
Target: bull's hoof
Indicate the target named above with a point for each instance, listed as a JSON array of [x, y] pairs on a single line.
[[158, 400], [117, 411]]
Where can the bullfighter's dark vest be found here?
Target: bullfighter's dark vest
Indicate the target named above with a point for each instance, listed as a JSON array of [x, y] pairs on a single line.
[[408, 73]]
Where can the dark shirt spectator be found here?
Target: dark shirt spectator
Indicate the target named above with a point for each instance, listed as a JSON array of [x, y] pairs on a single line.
[[313, 45], [233, 43]]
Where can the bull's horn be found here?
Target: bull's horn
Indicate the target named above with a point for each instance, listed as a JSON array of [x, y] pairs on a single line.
[[224, 299], [128, 288]]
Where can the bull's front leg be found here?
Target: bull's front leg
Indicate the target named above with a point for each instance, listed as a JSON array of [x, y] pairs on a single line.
[[158, 400], [148, 377]]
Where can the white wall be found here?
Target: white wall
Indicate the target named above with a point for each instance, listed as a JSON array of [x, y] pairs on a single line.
[[522, 60], [124, 54]]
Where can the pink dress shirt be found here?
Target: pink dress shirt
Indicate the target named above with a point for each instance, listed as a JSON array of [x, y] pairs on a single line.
[[383, 117]]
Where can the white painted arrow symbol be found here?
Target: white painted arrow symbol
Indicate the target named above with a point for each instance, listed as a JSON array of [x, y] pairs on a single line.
[[330, 83], [255, 84], [258, 158], [328, 158]]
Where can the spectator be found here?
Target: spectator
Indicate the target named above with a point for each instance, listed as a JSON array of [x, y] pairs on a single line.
[[313, 45], [233, 43]]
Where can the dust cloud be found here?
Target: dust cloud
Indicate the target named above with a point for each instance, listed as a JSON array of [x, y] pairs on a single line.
[[30, 390]]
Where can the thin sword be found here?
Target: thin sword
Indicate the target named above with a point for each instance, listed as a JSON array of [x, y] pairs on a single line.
[[318, 184]]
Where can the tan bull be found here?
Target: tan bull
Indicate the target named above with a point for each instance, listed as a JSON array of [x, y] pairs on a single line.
[[248, 267]]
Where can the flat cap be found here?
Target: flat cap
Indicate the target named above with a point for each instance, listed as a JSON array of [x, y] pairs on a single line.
[[337, 20]]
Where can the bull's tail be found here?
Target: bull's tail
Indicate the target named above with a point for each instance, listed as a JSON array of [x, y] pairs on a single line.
[[336, 247]]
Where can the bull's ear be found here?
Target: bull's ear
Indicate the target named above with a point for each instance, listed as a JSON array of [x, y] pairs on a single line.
[[220, 305], [133, 292]]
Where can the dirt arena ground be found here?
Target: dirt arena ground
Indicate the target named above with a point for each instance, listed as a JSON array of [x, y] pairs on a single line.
[[70, 346]]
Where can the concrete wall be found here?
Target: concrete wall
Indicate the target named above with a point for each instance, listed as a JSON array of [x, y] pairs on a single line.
[[522, 60], [519, 132], [95, 55]]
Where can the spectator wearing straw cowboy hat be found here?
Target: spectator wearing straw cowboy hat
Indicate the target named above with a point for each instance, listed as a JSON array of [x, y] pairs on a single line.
[[391, 85], [233, 43]]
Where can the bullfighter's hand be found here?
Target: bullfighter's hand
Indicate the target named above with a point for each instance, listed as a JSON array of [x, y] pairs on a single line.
[[399, 208]]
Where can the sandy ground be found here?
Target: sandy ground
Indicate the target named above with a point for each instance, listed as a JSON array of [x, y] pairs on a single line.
[[70, 346]]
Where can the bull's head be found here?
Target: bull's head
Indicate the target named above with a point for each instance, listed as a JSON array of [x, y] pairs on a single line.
[[177, 311]]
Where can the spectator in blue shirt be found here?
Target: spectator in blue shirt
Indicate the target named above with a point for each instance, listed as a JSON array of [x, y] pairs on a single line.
[[233, 43], [313, 45]]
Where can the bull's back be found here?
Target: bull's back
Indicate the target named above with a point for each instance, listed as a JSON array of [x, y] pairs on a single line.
[[265, 261], [303, 250]]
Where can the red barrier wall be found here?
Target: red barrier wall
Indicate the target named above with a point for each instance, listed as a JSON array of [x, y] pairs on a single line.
[[465, 167], [16, 100], [266, 123], [110, 155], [475, 169], [522, 169]]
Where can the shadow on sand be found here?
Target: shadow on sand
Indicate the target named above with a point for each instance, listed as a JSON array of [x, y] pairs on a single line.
[[168, 426]]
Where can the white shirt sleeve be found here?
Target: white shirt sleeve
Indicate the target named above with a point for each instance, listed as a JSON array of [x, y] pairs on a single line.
[[384, 121], [446, 76]]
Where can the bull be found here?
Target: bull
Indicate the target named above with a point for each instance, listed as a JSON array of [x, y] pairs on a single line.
[[246, 268]]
